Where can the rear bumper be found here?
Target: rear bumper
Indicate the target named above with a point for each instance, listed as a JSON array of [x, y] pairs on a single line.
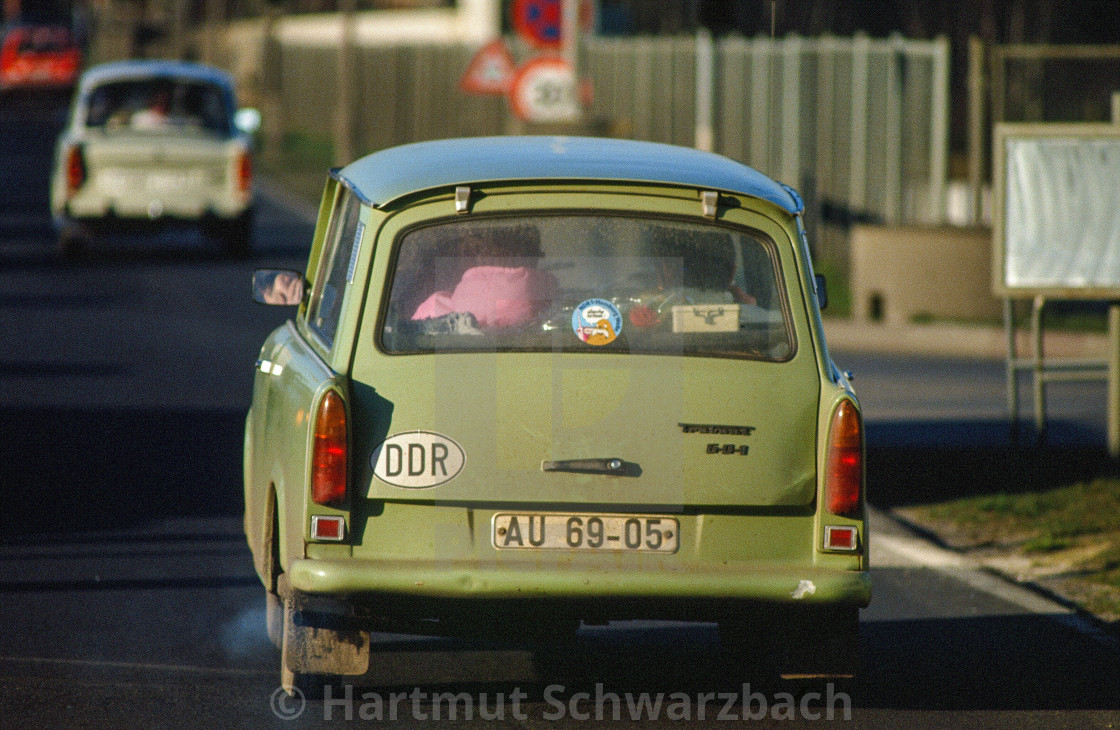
[[105, 214], [404, 581]]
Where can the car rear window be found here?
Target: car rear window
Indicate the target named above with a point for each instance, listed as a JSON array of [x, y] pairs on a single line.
[[587, 283], [159, 103], [45, 40]]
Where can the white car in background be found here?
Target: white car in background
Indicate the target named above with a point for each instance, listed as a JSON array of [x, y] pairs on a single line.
[[151, 144]]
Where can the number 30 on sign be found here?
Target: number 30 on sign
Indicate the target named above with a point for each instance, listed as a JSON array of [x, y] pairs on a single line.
[[545, 90]]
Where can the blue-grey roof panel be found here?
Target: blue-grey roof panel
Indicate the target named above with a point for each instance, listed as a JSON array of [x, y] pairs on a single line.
[[145, 68], [385, 176]]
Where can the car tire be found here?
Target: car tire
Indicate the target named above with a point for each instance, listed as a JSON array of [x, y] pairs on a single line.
[[71, 243], [274, 605], [749, 642], [274, 617], [554, 648]]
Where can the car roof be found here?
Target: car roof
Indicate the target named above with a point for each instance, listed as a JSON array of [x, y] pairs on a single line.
[[143, 68], [388, 175]]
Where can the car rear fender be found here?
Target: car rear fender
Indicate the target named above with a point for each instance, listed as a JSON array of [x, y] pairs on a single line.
[[291, 379]]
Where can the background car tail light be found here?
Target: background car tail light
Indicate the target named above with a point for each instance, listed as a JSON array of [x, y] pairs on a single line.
[[75, 169], [329, 451], [244, 172], [843, 478]]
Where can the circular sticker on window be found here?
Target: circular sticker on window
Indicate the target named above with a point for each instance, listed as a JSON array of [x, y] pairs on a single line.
[[597, 322]]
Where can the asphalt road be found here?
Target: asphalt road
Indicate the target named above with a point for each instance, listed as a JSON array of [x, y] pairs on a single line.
[[127, 597]]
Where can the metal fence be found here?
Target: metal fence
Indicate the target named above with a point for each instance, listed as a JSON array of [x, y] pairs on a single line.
[[858, 125]]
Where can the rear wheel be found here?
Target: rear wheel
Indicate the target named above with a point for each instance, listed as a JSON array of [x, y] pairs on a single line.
[[236, 234], [274, 606], [274, 616], [814, 645], [71, 243], [554, 646]]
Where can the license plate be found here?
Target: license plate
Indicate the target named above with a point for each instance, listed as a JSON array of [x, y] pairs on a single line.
[[551, 531], [170, 181]]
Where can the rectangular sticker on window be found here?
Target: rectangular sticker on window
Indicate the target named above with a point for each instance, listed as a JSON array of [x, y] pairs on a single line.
[[354, 253]]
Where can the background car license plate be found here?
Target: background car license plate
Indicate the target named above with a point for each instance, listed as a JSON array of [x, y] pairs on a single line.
[[550, 531]]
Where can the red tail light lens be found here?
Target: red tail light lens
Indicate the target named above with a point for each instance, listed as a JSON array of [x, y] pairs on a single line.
[[75, 169], [244, 172], [843, 478], [329, 452]]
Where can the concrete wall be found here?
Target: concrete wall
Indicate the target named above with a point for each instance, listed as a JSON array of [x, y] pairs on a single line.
[[900, 273]]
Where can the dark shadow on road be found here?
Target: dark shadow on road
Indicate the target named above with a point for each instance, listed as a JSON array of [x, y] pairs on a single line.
[[73, 470], [1003, 663], [1013, 662], [918, 463]]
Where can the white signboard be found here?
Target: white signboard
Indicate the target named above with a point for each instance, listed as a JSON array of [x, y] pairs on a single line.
[[1057, 213]]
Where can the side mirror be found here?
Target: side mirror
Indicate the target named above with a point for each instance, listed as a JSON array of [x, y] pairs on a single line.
[[282, 287], [247, 121], [822, 290]]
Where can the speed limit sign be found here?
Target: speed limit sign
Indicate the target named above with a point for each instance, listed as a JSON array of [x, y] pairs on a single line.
[[545, 90]]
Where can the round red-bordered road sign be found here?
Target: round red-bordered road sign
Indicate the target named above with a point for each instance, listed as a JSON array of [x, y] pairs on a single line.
[[539, 22], [544, 90]]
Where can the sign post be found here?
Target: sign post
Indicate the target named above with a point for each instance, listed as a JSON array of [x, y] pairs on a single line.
[[547, 89]]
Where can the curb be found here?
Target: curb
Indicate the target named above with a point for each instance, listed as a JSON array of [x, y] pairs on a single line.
[[955, 340], [1078, 618]]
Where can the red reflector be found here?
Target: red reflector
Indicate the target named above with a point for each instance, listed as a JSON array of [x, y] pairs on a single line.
[[840, 538], [327, 528], [244, 172], [329, 451], [843, 485], [75, 169]]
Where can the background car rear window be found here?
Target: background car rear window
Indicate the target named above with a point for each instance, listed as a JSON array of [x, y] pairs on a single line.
[[184, 104], [590, 283]]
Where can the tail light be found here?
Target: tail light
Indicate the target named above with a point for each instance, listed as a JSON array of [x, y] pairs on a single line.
[[843, 477], [329, 452], [75, 169], [244, 172]]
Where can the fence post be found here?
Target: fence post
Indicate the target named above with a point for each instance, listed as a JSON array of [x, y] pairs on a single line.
[[1114, 347], [857, 171], [705, 91], [758, 136], [272, 79], [892, 133], [977, 118], [791, 109], [939, 130], [344, 123]]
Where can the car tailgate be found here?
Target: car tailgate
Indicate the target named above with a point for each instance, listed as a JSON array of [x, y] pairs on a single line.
[[563, 429], [125, 163]]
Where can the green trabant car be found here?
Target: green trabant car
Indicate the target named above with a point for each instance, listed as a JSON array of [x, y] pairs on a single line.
[[539, 381]]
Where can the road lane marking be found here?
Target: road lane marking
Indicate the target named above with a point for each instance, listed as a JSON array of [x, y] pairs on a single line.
[[143, 666], [918, 552]]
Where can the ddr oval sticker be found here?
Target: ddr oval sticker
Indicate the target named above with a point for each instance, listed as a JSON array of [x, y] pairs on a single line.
[[417, 460]]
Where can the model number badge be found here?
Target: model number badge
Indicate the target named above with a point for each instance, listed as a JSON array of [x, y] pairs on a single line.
[[417, 460], [729, 449]]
